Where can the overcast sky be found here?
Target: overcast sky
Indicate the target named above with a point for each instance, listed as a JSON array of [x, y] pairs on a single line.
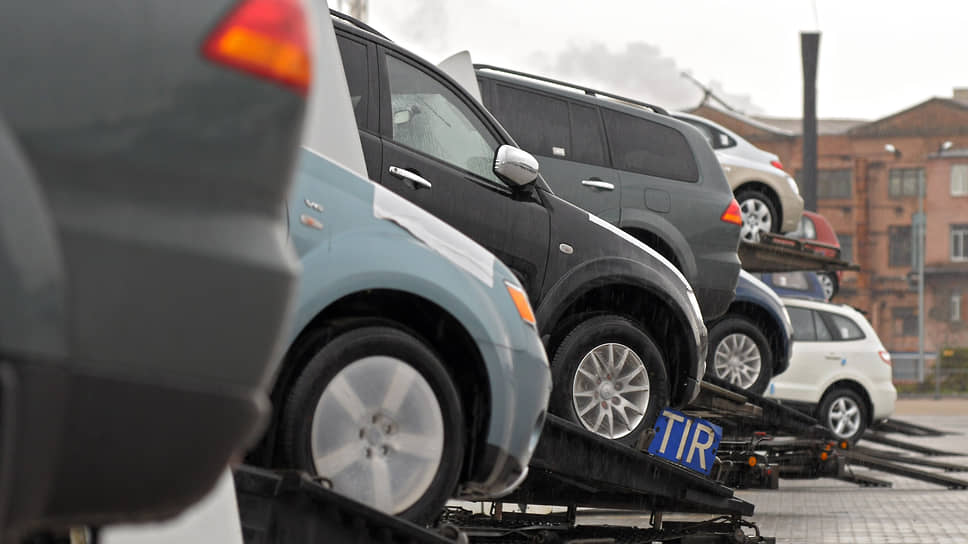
[[876, 57]]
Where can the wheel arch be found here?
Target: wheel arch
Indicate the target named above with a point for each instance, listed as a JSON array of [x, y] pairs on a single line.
[[646, 307], [763, 320], [430, 322], [855, 386]]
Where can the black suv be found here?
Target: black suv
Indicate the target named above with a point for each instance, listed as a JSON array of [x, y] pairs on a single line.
[[621, 325], [633, 165]]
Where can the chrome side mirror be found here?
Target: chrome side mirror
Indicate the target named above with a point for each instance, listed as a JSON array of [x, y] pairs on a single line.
[[516, 165]]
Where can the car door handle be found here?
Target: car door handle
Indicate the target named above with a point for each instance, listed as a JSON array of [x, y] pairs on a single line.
[[598, 184], [418, 181], [833, 356]]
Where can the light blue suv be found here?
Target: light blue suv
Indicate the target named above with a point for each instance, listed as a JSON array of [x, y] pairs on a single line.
[[414, 371]]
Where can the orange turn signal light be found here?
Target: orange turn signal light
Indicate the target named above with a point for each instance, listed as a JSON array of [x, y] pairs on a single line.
[[824, 456], [843, 445], [751, 461], [522, 304]]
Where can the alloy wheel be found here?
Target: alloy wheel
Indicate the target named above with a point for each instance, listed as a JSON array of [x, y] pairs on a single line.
[[737, 360], [844, 417], [378, 433], [757, 219], [610, 391]]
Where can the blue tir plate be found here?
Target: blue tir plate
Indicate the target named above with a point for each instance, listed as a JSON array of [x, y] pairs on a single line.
[[687, 441]]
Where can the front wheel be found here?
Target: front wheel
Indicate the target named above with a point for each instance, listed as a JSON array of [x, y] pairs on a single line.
[[376, 413], [739, 354], [844, 412], [610, 378]]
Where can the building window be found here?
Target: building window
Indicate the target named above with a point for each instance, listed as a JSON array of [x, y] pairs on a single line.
[[846, 247], [959, 242], [899, 245], [835, 183], [905, 321], [959, 180], [905, 182], [956, 306]]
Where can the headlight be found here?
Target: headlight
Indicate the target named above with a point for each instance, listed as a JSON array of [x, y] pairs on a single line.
[[522, 304], [793, 185]]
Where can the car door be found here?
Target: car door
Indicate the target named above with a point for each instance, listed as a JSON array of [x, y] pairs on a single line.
[[568, 139], [438, 152], [813, 358], [849, 347]]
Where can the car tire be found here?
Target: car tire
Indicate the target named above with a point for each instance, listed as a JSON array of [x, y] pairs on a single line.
[[843, 401], [740, 354], [758, 212], [828, 280], [590, 386], [376, 413]]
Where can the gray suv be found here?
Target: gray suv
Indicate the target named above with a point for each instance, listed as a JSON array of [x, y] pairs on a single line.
[[634, 166]]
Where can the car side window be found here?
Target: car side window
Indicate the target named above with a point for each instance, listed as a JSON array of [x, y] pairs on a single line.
[[587, 139], [823, 333], [353, 54], [803, 327], [843, 328], [642, 146], [430, 118], [538, 123]]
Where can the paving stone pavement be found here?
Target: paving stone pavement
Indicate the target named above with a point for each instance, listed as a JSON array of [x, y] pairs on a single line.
[[831, 512]]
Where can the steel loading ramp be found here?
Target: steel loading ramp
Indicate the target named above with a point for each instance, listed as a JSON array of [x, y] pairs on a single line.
[[573, 467], [777, 253]]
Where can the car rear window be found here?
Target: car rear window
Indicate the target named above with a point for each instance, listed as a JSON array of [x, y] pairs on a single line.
[[645, 147], [353, 55]]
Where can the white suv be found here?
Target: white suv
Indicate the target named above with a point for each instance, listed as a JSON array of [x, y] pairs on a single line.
[[839, 370]]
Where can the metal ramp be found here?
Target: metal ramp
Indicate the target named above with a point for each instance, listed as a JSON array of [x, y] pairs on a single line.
[[777, 253], [910, 429]]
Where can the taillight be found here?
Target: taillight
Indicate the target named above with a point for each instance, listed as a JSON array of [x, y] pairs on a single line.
[[267, 38], [885, 356], [732, 214], [777, 164]]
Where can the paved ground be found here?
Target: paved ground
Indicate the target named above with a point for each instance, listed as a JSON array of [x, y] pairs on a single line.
[[830, 511]]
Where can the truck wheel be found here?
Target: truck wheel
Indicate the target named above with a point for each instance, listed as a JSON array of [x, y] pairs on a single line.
[[844, 412], [759, 214], [610, 378], [376, 413], [739, 354]]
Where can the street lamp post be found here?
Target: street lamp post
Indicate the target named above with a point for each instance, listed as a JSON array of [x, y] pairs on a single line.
[[921, 242]]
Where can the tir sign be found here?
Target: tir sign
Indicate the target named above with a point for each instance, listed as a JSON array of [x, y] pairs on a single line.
[[687, 441]]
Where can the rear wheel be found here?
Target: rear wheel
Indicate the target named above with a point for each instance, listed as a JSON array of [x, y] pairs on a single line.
[[828, 280], [610, 378], [759, 214], [845, 413], [376, 413], [739, 354]]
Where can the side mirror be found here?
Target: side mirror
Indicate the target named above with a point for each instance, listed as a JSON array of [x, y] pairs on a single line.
[[516, 165]]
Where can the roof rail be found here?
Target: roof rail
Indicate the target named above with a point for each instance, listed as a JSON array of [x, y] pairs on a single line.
[[357, 23], [587, 90]]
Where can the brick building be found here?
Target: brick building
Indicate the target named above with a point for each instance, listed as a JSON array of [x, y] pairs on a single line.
[[869, 195]]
